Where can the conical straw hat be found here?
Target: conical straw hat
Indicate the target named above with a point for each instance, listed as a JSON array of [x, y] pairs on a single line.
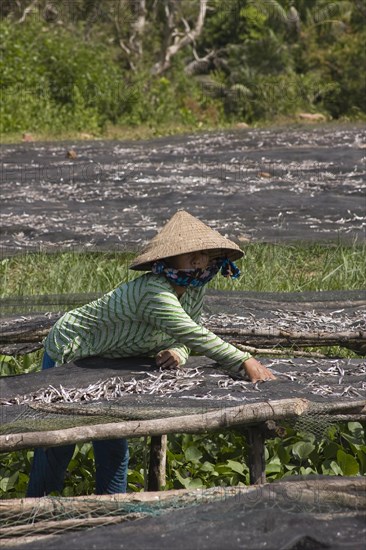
[[181, 234]]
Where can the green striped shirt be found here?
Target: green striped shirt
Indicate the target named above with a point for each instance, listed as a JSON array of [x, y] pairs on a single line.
[[141, 317]]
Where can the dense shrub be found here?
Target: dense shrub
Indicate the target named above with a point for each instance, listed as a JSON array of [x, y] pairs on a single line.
[[272, 61], [52, 79], [64, 70]]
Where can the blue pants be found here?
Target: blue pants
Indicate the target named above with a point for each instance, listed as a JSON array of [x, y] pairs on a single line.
[[50, 464]]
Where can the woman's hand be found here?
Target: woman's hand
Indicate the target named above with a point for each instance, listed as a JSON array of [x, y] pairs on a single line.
[[256, 371], [167, 359]]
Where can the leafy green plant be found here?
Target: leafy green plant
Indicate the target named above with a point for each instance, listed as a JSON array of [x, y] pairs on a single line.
[[341, 451], [195, 461], [14, 473], [21, 364]]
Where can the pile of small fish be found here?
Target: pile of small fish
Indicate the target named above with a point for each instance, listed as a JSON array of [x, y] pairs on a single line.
[[339, 388], [165, 383], [312, 321]]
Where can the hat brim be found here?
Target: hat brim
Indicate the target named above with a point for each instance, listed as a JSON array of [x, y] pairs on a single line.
[[213, 253]]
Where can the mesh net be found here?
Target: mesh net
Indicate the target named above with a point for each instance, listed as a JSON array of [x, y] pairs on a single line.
[[40, 402], [314, 513]]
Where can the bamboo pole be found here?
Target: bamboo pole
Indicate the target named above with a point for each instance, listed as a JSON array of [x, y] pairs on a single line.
[[280, 352], [196, 423], [34, 327], [20, 349], [58, 526], [14, 335], [40, 508], [48, 506], [252, 413], [272, 333], [356, 407]]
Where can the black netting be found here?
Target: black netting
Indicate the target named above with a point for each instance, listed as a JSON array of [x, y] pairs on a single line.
[[307, 515]]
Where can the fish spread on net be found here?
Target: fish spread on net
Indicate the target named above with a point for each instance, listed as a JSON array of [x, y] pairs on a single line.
[[334, 321], [192, 380], [223, 164]]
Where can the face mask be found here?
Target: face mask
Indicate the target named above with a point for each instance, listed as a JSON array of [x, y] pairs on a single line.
[[196, 277]]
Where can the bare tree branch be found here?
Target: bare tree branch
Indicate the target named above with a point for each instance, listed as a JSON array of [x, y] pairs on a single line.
[[138, 28], [199, 64], [28, 10], [119, 32], [189, 37], [130, 39]]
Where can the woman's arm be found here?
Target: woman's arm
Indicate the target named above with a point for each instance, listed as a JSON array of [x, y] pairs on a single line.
[[163, 310]]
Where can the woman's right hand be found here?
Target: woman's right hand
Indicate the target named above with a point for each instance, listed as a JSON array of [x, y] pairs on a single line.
[[167, 359]]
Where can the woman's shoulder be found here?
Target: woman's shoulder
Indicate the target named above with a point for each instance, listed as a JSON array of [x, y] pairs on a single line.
[[149, 282]]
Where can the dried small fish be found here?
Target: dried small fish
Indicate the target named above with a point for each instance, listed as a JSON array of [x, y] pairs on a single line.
[[325, 378], [291, 377]]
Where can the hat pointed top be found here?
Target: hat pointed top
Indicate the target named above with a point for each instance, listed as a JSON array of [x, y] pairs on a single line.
[[184, 233]]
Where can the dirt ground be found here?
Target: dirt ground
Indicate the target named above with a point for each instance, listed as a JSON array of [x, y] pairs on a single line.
[[274, 185]]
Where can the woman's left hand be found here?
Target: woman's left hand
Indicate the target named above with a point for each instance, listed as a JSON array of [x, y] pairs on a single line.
[[256, 371], [167, 359]]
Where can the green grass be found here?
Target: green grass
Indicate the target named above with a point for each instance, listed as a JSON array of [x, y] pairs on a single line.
[[265, 267], [300, 267], [118, 132]]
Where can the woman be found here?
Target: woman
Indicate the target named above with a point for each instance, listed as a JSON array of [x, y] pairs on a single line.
[[157, 315]]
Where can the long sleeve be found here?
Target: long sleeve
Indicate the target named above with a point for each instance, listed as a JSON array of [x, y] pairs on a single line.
[[163, 310], [195, 314]]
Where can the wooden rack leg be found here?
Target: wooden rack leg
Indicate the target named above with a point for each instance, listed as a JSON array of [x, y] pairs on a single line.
[[257, 463], [157, 464]]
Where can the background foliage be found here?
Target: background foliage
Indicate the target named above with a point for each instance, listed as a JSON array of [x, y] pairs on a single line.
[[76, 65]]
